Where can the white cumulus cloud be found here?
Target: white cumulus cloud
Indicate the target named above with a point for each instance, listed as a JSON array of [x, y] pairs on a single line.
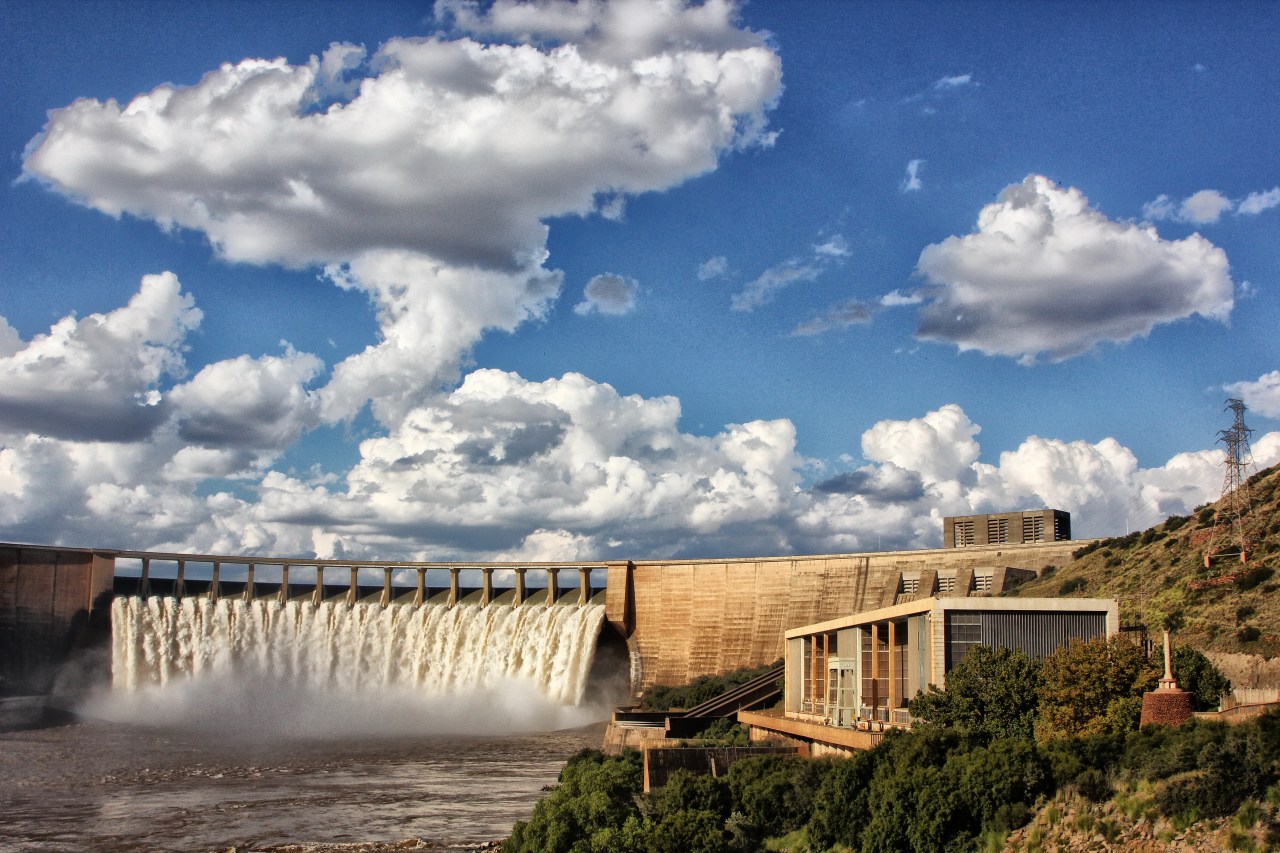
[[1261, 395], [1047, 275], [423, 174], [98, 378], [1207, 206]]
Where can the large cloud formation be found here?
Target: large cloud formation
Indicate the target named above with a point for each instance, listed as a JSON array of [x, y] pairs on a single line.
[[1047, 275], [501, 467], [423, 174]]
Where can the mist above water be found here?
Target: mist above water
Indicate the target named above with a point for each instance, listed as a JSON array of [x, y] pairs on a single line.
[[265, 669]]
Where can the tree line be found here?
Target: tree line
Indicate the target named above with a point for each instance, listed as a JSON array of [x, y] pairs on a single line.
[[1008, 733]]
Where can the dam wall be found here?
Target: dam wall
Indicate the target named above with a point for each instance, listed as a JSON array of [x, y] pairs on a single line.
[[688, 618], [52, 601], [680, 619]]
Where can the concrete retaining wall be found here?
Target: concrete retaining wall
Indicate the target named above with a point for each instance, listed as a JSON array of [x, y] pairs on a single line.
[[51, 602]]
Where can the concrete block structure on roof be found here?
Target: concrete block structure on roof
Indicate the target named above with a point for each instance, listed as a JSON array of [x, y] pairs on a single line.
[[1007, 528]]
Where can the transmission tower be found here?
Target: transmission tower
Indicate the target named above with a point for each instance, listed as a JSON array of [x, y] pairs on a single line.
[[1231, 521]]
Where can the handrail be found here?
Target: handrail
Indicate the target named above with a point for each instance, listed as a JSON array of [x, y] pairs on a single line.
[[758, 689]]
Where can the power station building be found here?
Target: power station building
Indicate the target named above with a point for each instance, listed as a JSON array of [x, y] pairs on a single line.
[[856, 674]]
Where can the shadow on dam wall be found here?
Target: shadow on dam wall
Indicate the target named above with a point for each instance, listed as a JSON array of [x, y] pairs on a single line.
[[666, 622], [54, 603]]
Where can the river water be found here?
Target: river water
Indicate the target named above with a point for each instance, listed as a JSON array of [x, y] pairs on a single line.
[[110, 787], [232, 725]]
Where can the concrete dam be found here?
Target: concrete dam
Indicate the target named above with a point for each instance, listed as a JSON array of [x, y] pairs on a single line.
[[651, 621]]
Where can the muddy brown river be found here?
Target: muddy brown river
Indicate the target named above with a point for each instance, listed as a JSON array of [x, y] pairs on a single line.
[[111, 787]]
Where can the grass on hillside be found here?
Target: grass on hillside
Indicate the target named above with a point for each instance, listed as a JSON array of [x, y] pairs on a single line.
[[1149, 573]]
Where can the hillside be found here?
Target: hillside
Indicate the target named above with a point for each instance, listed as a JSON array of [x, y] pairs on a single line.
[[1155, 571]]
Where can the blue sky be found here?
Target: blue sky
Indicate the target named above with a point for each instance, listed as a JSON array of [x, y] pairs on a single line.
[[635, 280]]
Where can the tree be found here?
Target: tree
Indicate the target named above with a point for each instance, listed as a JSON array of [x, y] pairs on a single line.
[[992, 693], [596, 794], [1094, 687], [1197, 675]]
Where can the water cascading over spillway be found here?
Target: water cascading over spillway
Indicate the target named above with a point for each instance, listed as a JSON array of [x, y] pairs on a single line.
[[355, 647]]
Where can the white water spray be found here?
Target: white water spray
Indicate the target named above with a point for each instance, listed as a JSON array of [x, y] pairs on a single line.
[[354, 649]]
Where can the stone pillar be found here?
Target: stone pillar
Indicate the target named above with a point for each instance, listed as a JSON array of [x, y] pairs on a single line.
[[420, 596], [519, 598], [248, 584], [455, 586], [213, 583], [487, 594], [284, 583], [386, 585], [553, 585], [144, 582], [584, 589], [353, 591], [1168, 705], [318, 595], [180, 582]]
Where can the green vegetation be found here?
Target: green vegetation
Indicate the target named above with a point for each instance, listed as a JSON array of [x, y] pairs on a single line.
[[927, 790], [992, 693], [1094, 687], [984, 757], [666, 698], [1151, 573], [1016, 749], [1196, 675]]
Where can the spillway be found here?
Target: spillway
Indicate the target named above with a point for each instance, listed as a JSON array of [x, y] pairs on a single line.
[[355, 647]]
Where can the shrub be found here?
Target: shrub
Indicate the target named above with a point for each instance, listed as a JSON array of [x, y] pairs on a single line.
[[596, 793], [776, 793], [1197, 675], [1070, 586], [1086, 550], [840, 807], [1094, 786], [1248, 634], [1253, 577], [1173, 522]]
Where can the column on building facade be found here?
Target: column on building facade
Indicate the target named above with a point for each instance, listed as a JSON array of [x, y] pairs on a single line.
[[893, 698], [875, 668]]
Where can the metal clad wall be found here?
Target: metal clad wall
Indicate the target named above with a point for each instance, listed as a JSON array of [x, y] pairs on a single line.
[[1036, 633]]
